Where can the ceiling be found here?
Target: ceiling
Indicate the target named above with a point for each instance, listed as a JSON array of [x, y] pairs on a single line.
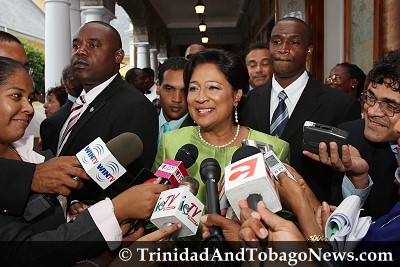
[[219, 13]]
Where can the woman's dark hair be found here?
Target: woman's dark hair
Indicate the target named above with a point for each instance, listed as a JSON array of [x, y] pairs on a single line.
[[8, 67], [387, 68], [230, 65], [60, 93], [355, 73]]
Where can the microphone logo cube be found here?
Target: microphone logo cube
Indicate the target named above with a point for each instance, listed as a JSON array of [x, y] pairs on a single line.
[[172, 169], [250, 176], [178, 205], [98, 162]]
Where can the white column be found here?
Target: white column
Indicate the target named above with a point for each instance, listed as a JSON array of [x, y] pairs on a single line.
[[129, 33], [143, 59], [333, 34], [97, 13], [154, 61], [162, 59], [57, 42], [75, 16]]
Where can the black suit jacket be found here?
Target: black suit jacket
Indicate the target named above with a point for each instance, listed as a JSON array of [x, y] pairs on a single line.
[[188, 122], [318, 103], [48, 240], [117, 109], [382, 165], [15, 185], [49, 127]]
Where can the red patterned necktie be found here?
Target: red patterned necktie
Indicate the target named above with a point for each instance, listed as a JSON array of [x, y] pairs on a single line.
[[75, 112]]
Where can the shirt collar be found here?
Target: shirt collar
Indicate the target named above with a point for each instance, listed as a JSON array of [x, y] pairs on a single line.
[[174, 124], [95, 91], [293, 91]]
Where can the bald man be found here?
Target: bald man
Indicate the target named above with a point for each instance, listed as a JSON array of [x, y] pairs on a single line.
[[193, 49]]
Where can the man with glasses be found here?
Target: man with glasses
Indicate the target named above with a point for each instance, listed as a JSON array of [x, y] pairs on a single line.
[[376, 140]]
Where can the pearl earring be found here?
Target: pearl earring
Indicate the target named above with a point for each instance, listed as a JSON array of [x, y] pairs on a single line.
[[236, 115]]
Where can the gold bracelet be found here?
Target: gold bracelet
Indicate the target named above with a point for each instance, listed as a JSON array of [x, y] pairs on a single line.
[[317, 238]]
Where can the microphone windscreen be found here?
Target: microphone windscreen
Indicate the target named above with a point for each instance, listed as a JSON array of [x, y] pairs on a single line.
[[187, 154], [244, 152], [191, 183], [210, 169], [125, 147]]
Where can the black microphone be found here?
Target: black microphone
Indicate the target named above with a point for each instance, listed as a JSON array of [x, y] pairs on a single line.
[[187, 154], [125, 147], [210, 173]]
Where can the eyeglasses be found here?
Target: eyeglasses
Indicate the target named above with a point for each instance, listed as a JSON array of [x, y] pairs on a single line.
[[29, 69], [389, 109], [333, 79]]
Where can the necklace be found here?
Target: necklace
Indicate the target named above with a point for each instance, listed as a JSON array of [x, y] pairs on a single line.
[[227, 144]]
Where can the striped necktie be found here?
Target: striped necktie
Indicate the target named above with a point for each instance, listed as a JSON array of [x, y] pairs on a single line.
[[74, 116], [280, 117]]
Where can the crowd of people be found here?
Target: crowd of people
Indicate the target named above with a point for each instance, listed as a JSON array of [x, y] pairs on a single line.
[[212, 99]]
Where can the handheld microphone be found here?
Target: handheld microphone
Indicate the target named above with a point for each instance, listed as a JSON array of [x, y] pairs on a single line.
[[125, 147], [106, 163], [179, 205], [248, 175], [172, 171], [210, 173]]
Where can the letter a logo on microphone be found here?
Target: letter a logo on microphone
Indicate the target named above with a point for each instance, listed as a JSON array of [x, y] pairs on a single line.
[[243, 170]]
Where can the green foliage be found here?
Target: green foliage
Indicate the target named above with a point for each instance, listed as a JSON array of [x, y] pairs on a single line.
[[36, 62]]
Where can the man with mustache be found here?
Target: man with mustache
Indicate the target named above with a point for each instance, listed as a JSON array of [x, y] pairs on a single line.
[[306, 100], [171, 90], [257, 61], [109, 106]]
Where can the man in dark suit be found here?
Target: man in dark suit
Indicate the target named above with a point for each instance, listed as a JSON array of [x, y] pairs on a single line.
[[111, 106], [307, 99], [50, 126], [375, 138], [63, 244], [173, 98], [18, 178]]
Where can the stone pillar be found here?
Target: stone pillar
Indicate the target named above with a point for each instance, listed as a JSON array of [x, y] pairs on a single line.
[[57, 42], [154, 61], [162, 59], [97, 13], [129, 33], [143, 59], [75, 16]]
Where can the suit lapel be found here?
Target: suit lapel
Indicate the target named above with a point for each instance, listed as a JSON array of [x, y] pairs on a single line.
[[92, 109], [309, 101], [263, 101], [187, 122]]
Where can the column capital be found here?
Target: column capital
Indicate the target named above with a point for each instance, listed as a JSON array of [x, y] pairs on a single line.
[[58, 1], [141, 44], [99, 13]]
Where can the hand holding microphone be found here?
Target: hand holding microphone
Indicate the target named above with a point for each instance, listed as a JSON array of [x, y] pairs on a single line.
[[248, 175], [171, 171], [210, 173], [179, 205], [103, 163]]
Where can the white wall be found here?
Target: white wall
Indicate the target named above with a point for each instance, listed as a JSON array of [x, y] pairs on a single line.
[[333, 34]]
